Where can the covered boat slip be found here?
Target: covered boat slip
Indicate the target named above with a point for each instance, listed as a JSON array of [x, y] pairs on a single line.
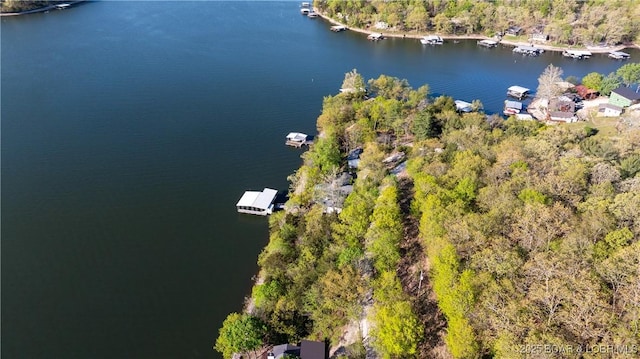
[[619, 55], [518, 92], [254, 202], [576, 54]]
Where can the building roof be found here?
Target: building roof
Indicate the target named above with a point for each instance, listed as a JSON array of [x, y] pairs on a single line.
[[280, 350], [519, 89], [312, 350], [261, 200], [297, 136], [610, 107], [463, 106], [513, 104], [627, 93], [560, 114]]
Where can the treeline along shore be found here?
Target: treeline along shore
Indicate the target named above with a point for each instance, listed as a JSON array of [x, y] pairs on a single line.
[[416, 231], [550, 25]]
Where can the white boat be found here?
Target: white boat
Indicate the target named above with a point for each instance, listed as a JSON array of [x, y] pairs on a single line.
[[518, 92], [576, 54], [488, 43], [619, 55], [375, 36], [431, 40], [305, 11], [312, 14], [305, 4]]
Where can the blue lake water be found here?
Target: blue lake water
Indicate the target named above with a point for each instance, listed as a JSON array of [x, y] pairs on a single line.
[[129, 131]]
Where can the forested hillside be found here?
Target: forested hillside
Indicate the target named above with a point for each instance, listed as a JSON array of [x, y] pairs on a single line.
[[528, 236], [565, 22]]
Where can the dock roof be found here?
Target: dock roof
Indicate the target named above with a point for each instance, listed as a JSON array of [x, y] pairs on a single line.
[[513, 104], [519, 89], [261, 200]]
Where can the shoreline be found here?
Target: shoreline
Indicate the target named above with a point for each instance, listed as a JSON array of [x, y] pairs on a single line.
[[514, 43], [40, 9]]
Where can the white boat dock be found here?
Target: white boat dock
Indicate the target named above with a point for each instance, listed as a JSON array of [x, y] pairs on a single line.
[[487, 43], [528, 50], [518, 92], [375, 36], [431, 40], [62, 6], [338, 28], [297, 139], [512, 107], [576, 54], [619, 55], [463, 106], [258, 203]]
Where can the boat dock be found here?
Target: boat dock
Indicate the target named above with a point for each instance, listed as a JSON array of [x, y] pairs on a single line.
[[258, 203], [297, 139], [338, 28], [528, 50], [618, 55], [431, 40], [487, 43], [375, 36], [518, 92], [576, 54]]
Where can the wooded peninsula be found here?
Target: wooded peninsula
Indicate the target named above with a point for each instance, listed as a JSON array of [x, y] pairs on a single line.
[[416, 231]]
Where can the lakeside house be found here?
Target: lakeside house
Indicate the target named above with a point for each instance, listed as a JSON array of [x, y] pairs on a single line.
[[586, 93], [609, 110], [258, 203], [513, 31], [307, 349], [353, 157], [624, 97]]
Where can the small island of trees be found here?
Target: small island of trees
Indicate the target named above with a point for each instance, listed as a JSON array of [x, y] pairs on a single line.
[[461, 235]]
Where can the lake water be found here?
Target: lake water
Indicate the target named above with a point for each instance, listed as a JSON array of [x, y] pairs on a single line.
[[130, 130]]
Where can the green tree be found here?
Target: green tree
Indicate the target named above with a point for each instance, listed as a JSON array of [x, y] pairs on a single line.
[[609, 83], [593, 80], [240, 333], [397, 331], [629, 73]]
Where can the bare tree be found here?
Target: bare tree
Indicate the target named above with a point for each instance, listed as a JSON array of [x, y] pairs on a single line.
[[548, 82]]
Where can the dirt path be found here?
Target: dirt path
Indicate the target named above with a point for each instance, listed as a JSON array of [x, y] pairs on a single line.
[[413, 263]]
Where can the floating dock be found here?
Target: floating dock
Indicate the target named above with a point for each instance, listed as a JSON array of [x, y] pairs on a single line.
[[576, 54], [528, 50], [487, 43], [297, 139], [258, 203], [619, 55]]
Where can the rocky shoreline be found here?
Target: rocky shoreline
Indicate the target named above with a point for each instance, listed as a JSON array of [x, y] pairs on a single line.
[[514, 43]]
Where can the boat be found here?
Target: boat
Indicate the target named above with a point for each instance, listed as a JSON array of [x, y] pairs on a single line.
[[312, 14], [305, 4], [305, 11], [518, 92], [576, 54], [488, 43], [431, 40], [338, 28], [619, 55], [512, 107], [375, 36], [528, 50]]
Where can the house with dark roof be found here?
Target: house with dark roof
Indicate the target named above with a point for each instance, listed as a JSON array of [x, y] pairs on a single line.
[[308, 349], [624, 97]]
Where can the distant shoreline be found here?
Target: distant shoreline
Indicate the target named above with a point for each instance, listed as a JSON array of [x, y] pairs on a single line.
[[38, 10], [514, 43]]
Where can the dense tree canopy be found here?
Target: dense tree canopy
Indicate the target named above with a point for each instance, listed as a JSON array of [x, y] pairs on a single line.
[[565, 22]]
